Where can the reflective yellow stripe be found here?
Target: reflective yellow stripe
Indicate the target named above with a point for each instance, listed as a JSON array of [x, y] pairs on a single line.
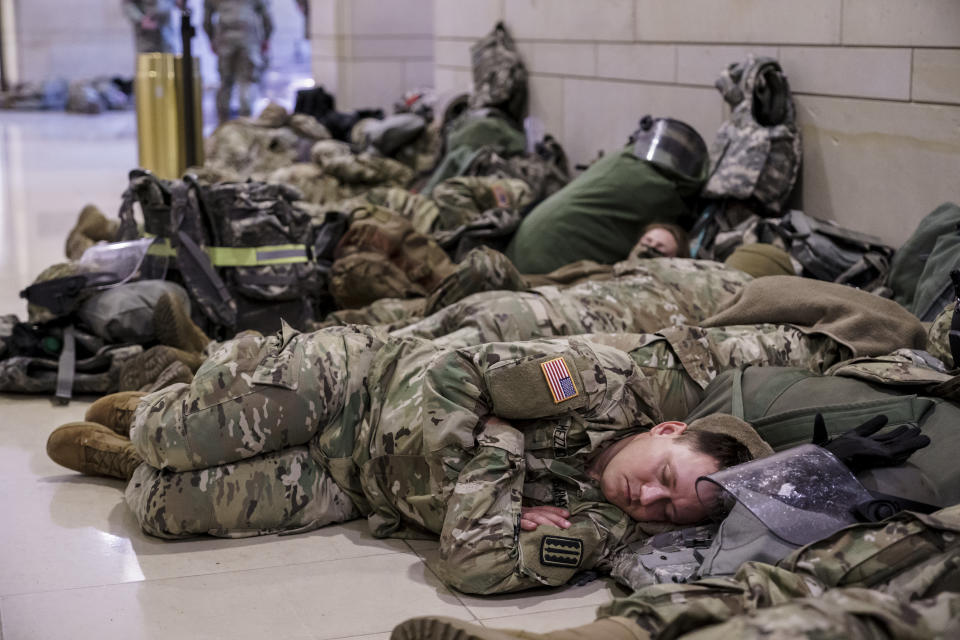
[[241, 256], [257, 256]]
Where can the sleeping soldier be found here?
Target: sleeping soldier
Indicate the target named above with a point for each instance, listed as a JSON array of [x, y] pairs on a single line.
[[479, 445]]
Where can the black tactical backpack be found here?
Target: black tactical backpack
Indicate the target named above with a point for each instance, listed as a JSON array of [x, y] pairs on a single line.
[[832, 253]]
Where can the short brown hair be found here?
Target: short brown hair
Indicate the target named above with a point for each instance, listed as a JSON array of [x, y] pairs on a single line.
[[678, 233], [726, 450]]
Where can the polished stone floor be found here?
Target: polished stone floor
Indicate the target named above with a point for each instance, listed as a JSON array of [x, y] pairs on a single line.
[[73, 562]]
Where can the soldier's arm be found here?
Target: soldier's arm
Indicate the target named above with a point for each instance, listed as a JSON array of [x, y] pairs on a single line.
[[132, 11], [483, 549], [263, 7], [209, 7]]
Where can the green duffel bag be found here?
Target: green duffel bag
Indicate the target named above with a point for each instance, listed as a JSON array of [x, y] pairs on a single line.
[[781, 402], [599, 216]]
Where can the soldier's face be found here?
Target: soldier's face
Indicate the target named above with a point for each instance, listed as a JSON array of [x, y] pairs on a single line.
[[653, 477], [661, 240]]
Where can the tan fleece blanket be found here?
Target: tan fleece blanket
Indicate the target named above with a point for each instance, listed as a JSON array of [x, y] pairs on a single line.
[[867, 324]]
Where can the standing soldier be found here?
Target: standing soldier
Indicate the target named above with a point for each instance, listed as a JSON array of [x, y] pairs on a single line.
[[240, 37], [152, 27]]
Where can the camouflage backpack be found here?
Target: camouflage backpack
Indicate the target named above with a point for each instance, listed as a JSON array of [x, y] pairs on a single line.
[[499, 75], [242, 250], [756, 154]]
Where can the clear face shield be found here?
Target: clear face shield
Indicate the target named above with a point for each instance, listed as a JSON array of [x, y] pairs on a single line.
[[671, 144], [801, 495], [123, 262]]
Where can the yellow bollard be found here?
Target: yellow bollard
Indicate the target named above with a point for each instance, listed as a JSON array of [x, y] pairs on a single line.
[[160, 133]]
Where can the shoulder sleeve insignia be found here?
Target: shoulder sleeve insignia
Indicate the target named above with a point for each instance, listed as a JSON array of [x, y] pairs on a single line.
[[559, 380], [557, 551]]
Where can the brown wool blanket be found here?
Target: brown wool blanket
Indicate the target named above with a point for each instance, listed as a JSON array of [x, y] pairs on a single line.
[[868, 324]]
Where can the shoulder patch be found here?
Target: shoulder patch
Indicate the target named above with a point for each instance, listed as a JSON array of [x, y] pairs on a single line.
[[559, 380], [557, 551]]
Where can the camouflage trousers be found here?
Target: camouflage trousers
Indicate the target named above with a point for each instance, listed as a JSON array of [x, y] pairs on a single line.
[[898, 578], [235, 453], [229, 454]]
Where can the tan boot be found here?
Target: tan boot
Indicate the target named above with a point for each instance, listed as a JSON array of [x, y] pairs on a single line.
[[93, 449], [92, 226], [115, 411], [141, 372], [174, 328], [438, 628]]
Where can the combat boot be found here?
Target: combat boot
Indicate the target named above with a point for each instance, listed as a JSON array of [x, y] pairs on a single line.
[[174, 328], [438, 628], [114, 411], [92, 227], [174, 373], [93, 449], [142, 372]]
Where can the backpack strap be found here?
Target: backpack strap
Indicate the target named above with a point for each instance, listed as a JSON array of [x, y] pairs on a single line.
[[66, 367], [736, 399]]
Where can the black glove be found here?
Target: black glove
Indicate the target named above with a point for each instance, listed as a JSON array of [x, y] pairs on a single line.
[[862, 448]]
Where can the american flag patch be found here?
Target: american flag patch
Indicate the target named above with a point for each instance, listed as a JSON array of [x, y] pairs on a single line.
[[559, 380]]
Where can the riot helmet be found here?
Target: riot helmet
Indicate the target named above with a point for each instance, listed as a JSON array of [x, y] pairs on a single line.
[[801, 494], [673, 145]]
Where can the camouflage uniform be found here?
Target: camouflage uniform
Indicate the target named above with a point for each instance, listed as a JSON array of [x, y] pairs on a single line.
[[159, 39], [640, 296], [246, 148], [294, 431], [239, 38], [938, 337], [750, 160], [897, 578]]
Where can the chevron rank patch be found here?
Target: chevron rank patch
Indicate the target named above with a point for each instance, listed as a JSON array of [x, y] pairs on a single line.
[[559, 380], [556, 551]]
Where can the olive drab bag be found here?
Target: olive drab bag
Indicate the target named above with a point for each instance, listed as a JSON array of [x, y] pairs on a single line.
[[920, 269], [244, 251], [781, 402], [499, 75], [756, 154]]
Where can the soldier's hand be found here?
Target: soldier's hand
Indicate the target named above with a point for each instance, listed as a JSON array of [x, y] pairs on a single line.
[[265, 47], [863, 448], [533, 517], [147, 22]]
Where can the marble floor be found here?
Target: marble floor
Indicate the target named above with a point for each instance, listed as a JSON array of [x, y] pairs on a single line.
[[73, 562]]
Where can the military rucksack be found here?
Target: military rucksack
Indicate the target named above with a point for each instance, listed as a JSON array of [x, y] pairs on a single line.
[[832, 253], [756, 154], [244, 251], [499, 75], [781, 402]]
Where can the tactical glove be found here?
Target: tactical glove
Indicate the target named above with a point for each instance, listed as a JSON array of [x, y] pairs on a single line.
[[863, 448]]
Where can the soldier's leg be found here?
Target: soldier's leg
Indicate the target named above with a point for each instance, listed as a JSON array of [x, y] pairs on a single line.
[[254, 395], [225, 66], [282, 491], [246, 71]]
